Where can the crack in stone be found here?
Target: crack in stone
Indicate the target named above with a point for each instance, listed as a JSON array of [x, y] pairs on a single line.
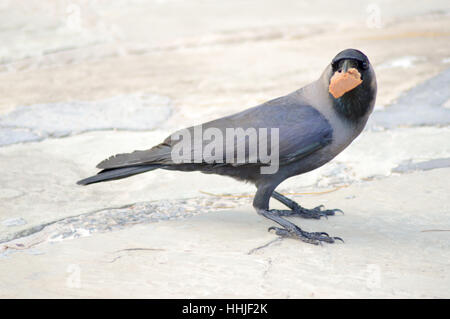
[[38, 228], [269, 266]]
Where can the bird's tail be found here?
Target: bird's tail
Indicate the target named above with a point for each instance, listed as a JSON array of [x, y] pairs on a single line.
[[118, 173]]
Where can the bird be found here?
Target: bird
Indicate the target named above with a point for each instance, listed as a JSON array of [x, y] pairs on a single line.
[[306, 129]]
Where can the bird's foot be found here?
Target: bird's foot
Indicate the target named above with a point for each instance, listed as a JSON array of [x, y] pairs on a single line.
[[314, 238], [297, 210], [315, 213]]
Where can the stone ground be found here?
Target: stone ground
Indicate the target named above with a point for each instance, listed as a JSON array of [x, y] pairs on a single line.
[[82, 81]]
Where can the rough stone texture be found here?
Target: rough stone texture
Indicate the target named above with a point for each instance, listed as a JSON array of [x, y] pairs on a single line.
[[151, 67], [395, 247], [129, 112], [422, 105]]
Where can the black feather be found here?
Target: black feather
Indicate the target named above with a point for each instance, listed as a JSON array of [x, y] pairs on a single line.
[[117, 173]]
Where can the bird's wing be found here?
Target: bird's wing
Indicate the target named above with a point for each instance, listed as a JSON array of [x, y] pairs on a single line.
[[302, 130]]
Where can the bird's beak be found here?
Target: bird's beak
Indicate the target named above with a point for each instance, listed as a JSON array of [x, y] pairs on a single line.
[[344, 80], [345, 66]]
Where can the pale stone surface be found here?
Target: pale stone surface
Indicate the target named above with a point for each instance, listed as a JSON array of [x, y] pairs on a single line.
[[393, 248]]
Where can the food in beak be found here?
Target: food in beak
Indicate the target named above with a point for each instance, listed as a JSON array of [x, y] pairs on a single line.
[[341, 83]]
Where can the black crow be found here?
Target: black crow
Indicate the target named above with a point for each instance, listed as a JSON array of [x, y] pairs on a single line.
[[305, 129]]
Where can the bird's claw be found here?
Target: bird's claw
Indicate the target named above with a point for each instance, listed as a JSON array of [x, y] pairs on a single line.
[[314, 238]]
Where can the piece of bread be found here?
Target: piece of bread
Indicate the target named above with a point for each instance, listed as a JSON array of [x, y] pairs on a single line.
[[341, 83]]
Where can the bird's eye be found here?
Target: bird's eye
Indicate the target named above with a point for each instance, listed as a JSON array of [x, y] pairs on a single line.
[[364, 65]]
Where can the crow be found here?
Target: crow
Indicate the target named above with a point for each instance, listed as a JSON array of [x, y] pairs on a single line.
[[305, 129]]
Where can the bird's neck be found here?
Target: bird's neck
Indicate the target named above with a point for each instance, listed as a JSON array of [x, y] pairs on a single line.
[[355, 104]]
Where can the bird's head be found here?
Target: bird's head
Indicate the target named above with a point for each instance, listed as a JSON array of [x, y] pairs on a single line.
[[351, 83]]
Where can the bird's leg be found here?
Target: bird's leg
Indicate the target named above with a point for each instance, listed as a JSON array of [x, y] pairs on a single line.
[[297, 210], [290, 230]]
